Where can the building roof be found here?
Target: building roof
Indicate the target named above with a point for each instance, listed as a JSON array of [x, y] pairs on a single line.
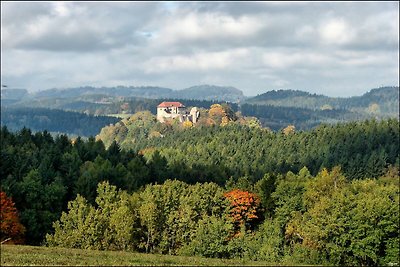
[[171, 104]]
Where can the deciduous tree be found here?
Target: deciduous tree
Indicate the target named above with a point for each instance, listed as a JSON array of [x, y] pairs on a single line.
[[10, 229], [244, 206]]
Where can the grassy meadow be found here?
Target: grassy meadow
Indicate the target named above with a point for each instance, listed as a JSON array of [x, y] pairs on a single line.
[[12, 255]]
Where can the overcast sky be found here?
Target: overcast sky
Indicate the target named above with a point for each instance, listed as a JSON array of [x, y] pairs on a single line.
[[331, 48]]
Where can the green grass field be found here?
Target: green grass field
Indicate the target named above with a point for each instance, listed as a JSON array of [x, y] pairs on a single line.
[[28, 255]]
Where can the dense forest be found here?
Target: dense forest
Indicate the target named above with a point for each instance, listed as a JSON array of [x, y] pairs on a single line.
[[223, 187], [326, 196], [220, 146], [53, 120]]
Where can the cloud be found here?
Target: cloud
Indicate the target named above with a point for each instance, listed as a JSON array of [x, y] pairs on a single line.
[[68, 26], [14, 13], [336, 31], [198, 62], [336, 48], [208, 26]]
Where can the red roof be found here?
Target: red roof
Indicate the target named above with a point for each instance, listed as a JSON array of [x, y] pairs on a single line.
[[171, 104]]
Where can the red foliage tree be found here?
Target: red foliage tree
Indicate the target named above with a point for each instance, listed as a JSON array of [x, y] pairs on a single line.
[[244, 206], [10, 227]]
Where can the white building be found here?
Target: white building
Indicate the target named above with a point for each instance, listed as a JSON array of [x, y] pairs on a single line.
[[172, 110]]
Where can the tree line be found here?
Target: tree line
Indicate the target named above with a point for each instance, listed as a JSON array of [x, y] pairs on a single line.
[[286, 219]]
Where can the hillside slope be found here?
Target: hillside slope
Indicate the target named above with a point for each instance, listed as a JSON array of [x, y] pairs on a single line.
[[56, 121], [237, 149], [211, 92], [379, 101]]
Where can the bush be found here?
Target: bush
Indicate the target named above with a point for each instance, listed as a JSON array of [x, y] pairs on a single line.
[[211, 239]]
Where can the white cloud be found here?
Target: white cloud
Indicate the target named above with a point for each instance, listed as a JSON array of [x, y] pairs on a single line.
[[62, 9], [255, 46], [197, 62], [289, 58], [208, 27], [336, 31]]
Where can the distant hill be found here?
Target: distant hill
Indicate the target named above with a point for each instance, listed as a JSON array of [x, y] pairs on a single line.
[[210, 92], [379, 101], [278, 117], [13, 93], [101, 94], [11, 96], [283, 94], [386, 97], [200, 92], [142, 91], [56, 121], [275, 109], [105, 105]]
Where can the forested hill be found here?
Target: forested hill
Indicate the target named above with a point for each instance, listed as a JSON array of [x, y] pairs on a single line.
[[13, 93], [274, 109], [382, 100], [237, 149], [123, 91], [53, 120], [200, 92], [11, 96], [211, 92]]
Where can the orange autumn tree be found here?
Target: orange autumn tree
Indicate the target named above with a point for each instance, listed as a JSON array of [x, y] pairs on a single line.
[[244, 206], [10, 227]]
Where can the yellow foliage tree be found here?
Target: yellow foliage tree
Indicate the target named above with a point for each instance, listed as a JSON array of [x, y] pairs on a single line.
[[290, 129], [216, 113], [187, 124], [224, 121]]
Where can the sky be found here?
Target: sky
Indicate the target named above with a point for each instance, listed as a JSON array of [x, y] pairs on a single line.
[[331, 48]]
